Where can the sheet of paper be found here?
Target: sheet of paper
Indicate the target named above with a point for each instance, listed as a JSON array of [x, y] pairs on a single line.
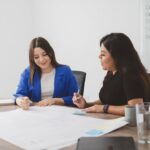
[[6, 101], [51, 127]]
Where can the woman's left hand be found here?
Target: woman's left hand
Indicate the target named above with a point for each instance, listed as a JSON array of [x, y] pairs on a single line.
[[45, 102], [95, 108]]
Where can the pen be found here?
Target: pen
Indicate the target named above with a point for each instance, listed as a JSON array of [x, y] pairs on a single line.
[[78, 91], [77, 95]]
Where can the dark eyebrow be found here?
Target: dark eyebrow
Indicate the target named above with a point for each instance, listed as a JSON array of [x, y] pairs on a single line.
[[44, 52]]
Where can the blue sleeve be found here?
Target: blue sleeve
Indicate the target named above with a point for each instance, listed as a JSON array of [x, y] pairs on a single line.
[[71, 87], [23, 88]]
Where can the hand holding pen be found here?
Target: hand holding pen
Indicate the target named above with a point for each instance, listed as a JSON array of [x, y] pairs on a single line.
[[78, 100], [24, 102]]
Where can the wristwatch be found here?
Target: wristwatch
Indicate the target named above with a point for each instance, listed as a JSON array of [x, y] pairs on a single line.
[[105, 108]]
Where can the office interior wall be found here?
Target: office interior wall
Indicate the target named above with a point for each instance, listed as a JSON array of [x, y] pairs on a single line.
[[145, 32], [73, 28], [15, 34]]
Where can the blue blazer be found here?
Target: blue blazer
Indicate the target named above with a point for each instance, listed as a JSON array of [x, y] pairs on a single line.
[[65, 85]]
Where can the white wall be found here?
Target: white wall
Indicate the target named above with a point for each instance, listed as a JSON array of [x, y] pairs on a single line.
[[73, 28], [145, 33], [16, 26]]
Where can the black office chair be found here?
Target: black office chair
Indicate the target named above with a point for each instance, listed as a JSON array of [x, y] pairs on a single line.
[[149, 75], [80, 77], [148, 99]]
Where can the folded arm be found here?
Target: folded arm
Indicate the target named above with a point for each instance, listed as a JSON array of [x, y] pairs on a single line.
[[116, 110]]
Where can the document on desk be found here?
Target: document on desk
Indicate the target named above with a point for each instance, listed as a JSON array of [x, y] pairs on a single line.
[[51, 127], [6, 102]]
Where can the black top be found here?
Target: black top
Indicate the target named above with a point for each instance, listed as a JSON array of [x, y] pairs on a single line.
[[118, 89]]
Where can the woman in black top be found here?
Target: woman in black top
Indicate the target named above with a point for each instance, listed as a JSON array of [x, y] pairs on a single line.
[[126, 82]]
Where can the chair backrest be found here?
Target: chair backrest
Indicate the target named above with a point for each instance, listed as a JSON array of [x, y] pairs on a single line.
[[80, 77], [149, 75]]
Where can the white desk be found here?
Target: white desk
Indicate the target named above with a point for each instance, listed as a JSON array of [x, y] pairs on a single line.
[[124, 131]]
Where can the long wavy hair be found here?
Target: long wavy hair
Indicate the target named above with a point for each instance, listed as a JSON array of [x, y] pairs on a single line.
[[126, 59], [44, 44]]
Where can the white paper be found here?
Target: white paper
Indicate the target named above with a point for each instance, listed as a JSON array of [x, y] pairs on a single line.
[[6, 101], [51, 127]]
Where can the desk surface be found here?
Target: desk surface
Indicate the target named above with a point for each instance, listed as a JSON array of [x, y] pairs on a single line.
[[124, 131]]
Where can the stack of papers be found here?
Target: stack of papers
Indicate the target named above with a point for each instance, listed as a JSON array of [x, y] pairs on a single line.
[[6, 101]]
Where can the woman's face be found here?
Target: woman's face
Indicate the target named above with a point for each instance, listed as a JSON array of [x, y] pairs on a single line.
[[107, 61], [42, 60]]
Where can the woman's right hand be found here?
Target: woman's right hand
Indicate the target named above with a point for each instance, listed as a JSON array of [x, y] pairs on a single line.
[[78, 100], [24, 102]]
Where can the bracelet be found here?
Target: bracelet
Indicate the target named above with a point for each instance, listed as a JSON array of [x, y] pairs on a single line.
[[105, 108]]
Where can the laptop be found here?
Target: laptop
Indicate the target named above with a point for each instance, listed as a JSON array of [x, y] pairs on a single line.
[[106, 143]]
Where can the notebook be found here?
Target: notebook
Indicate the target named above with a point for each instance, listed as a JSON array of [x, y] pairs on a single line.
[[106, 143]]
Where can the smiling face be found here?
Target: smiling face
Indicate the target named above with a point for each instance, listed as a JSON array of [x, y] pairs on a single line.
[[42, 60], [107, 61]]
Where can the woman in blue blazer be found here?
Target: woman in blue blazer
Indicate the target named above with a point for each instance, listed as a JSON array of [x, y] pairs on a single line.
[[45, 81]]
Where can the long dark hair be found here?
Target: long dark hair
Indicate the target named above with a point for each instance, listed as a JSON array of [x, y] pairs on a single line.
[[44, 44], [126, 58]]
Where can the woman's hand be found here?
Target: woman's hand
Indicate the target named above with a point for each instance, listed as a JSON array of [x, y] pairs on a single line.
[[24, 102], [95, 108], [45, 102], [78, 100]]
